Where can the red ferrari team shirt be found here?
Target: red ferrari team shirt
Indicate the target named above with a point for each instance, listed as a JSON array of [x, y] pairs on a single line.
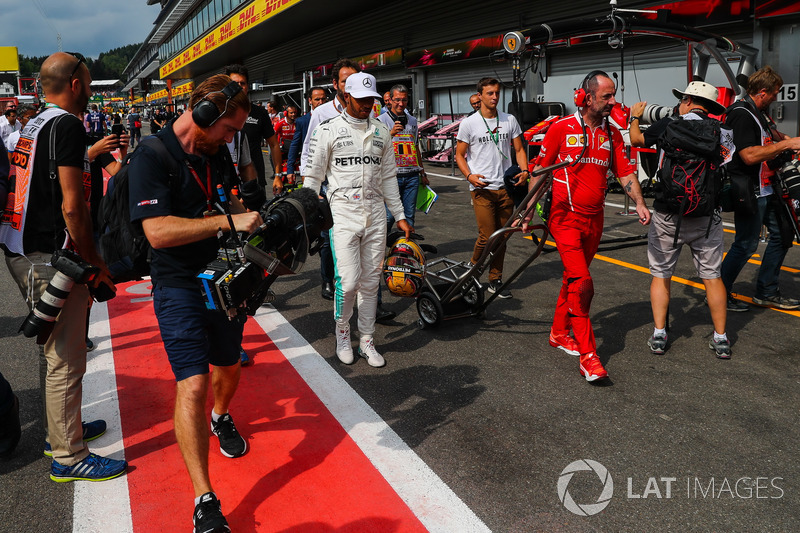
[[581, 188], [285, 132]]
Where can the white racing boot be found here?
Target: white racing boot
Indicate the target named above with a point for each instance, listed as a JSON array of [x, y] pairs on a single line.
[[344, 348], [366, 349]]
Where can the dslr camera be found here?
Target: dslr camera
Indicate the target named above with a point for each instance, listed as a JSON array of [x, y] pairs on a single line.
[[71, 270]]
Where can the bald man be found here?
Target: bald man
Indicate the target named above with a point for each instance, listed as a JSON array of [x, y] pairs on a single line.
[[59, 210]]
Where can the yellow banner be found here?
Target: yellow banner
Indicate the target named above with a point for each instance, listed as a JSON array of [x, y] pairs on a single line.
[[243, 20], [180, 90], [157, 95]]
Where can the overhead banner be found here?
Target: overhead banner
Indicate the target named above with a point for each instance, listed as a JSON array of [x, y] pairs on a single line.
[[243, 20], [158, 95], [185, 88], [454, 52], [772, 8], [700, 13], [380, 59]]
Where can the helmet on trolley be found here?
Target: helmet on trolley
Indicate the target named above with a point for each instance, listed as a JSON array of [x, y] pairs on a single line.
[[404, 268]]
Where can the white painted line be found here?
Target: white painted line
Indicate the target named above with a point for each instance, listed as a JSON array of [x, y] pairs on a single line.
[[102, 507], [428, 497]]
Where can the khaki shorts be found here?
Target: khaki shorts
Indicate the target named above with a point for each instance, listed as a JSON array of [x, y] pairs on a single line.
[[706, 251]]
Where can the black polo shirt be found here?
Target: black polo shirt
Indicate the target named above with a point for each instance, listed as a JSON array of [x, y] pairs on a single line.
[[152, 195], [257, 128]]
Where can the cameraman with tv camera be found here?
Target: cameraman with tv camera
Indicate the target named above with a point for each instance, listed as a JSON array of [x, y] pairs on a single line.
[[759, 152], [181, 221], [53, 175]]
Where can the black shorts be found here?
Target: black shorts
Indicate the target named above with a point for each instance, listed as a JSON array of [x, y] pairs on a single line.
[[193, 335]]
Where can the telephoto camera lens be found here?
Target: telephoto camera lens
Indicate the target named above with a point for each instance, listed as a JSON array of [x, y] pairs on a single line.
[[48, 307], [790, 174], [653, 113]]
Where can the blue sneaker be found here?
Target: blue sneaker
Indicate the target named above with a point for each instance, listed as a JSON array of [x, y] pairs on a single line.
[[91, 431], [246, 361], [92, 468]]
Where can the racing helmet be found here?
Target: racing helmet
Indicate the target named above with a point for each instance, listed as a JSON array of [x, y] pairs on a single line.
[[404, 268]]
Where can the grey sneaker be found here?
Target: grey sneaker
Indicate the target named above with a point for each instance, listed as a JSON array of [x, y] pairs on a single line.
[[722, 348], [494, 286], [734, 305], [657, 344], [777, 302]]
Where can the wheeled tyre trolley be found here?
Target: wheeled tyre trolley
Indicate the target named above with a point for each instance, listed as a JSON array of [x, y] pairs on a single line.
[[452, 288]]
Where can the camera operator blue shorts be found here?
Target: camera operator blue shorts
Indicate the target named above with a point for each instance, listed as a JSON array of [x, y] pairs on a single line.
[[194, 336]]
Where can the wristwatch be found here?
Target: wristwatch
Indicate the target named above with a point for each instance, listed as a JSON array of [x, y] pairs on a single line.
[[636, 118]]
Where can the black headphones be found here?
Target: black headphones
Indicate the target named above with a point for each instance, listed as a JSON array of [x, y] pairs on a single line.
[[205, 112], [582, 92]]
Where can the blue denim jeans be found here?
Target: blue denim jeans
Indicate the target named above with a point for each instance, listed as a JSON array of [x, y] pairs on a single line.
[[748, 229], [408, 185]]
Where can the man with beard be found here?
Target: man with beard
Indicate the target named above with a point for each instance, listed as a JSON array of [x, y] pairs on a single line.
[[258, 128], [57, 205], [181, 221], [354, 153], [576, 215], [284, 129], [340, 71]]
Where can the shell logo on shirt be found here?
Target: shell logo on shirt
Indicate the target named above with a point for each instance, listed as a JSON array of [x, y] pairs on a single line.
[[575, 140]]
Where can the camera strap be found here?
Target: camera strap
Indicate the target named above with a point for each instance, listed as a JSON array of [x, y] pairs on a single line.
[[53, 173], [762, 118]]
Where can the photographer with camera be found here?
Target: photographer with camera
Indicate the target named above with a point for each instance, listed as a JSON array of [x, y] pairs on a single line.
[[758, 151], [354, 152], [692, 149], [53, 175], [180, 217]]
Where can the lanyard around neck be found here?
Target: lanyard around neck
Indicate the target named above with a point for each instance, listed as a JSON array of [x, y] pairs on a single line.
[[495, 137], [207, 190]]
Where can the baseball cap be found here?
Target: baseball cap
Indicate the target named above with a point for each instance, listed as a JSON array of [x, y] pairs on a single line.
[[703, 91], [361, 85]]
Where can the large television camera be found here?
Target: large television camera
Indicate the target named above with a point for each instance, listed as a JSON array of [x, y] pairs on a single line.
[[238, 281], [71, 269]]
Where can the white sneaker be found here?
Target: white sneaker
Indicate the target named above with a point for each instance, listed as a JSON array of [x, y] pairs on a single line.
[[366, 349], [344, 348]]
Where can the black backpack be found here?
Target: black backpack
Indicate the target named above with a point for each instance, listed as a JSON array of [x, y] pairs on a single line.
[[122, 244], [690, 177]]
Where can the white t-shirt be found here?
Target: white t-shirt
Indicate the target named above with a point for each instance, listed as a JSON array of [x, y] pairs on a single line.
[[7, 129], [490, 150]]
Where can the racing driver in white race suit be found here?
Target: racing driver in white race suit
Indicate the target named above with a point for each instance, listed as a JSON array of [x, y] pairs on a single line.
[[354, 152]]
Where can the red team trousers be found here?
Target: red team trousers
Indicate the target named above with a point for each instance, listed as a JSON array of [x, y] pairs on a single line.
[[577, 238]]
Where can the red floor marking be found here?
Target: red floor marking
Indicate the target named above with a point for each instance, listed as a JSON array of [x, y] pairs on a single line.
[[302, 472]]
